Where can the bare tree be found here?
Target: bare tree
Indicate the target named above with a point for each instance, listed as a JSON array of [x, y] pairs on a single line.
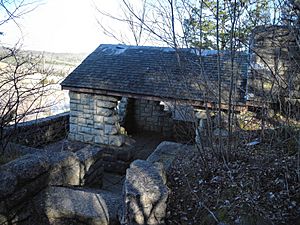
[[135, 23], [25, 87], [273, 67], [25, 83]]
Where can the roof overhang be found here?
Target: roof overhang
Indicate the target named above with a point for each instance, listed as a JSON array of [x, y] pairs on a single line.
[[240, 106]]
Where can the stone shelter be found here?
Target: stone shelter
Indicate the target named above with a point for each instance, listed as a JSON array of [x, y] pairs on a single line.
[[144, 85]]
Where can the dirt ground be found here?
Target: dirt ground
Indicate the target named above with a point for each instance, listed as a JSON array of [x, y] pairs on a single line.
[[143, 143]]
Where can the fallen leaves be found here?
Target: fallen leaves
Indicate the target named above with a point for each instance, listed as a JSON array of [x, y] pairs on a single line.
[[261, 181]]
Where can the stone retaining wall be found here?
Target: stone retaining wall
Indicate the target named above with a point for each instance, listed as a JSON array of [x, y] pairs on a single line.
[[22, 179], [41, 131], [94, 119]]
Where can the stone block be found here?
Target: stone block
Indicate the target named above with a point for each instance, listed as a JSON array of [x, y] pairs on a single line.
[[106, 104], [106, 98], [74, 95], [73, 106], [27, 167], [89, 122], [81, 120], [95, 179], [88, 111], [141, 101], [79, 137], [125, 154], [99, 126], [110, 129], [145, 194], [86, 99], [88, 156], [73, 128], [86, 130], [88, 138], [74, 113], [98, 119], [64, 168], [166, 153], [87, 115], [104, 111], [73, 119], [143, 114], [60, 205], [97, 132], [76, 101], [148, 110], [101, 140], [88, 106], [116, 140], [111, 120], [80, 107], [91, 165]]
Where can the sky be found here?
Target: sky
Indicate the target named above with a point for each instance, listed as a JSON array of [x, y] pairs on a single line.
[[62, 26]]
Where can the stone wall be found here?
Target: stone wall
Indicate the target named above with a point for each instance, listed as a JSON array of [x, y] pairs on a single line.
[[41, 131], [117, 160], [150, 116], [94, 119], [24, 178]]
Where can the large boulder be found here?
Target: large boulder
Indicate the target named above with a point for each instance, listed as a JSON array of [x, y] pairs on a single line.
[[145, 194], [66, 206]]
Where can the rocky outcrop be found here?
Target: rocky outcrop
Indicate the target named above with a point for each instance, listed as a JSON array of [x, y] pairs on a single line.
[[65, 206]]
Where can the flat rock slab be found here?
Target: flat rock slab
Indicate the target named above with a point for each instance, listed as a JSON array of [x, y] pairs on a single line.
[[166, 152], [65, 206]]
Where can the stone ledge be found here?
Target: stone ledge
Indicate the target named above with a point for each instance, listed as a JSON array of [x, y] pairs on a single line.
[[25, 177], [165, 153], [60, 205]]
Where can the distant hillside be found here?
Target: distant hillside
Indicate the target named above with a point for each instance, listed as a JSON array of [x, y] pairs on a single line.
[[55, 58], [60, 63], [69, 59]]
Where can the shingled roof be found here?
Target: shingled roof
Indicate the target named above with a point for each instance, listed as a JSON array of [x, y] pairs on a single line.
[[185, 74]]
